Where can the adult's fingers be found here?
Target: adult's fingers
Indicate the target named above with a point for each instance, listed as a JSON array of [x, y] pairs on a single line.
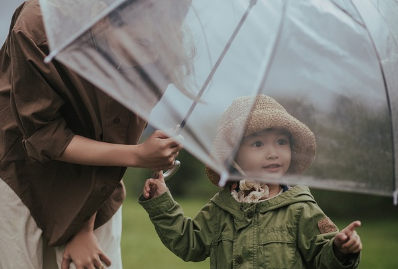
[[178, 140], [65, 262], [160, 134], [105, 261]]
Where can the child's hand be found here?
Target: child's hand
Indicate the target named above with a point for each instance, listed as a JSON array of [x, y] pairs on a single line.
[[347, 241], [85, 252], [154, 187]]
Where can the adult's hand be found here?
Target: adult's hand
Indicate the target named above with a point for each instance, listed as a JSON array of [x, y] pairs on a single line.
[[159, 151], [84, 250]]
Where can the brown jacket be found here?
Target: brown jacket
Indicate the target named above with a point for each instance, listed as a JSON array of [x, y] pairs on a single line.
[[42, 106]]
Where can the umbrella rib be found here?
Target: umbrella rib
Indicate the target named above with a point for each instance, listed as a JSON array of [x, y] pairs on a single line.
[[395, 185], [216, 65], [348, 14]]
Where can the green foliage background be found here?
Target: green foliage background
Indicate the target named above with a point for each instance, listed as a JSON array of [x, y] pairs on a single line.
[[141, 248], [352, 131]]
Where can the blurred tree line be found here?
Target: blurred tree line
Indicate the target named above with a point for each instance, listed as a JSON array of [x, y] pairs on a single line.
[[353, 141]]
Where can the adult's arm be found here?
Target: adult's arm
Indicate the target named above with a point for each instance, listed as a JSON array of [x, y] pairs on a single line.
[[37, 96], [157, 152]]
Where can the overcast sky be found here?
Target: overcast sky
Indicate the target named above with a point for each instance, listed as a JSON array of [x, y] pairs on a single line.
[[7, 8]]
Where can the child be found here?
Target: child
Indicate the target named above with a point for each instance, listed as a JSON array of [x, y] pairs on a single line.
[[253, 224]]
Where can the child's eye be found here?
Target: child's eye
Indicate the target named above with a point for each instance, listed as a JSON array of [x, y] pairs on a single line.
[[282, 142], [257, 144]]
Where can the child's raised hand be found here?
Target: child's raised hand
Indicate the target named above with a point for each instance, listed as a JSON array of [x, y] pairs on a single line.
[[347, 240], [154, 187]]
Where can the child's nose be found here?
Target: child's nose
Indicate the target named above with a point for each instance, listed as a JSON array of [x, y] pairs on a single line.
[[272, 153], [272, 157]]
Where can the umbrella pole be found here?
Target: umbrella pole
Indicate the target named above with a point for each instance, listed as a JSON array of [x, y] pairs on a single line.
[[261, 84], [215, 67], [173, 170]]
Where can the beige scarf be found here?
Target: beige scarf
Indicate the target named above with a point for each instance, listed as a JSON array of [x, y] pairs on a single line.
[[251, 191]]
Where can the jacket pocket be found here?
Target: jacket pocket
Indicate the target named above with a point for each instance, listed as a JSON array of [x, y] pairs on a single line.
[[277, 247], [221, 254]]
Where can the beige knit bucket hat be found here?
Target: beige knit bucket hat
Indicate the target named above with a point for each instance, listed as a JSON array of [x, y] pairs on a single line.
[[256, 113]]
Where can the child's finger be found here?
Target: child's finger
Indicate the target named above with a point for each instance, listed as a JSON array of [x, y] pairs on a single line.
[[344, 235], [350, 229], [340, 239], [147, 188], [355, 248], [354, 243], [147, 194], [353, 225], [161, 177]]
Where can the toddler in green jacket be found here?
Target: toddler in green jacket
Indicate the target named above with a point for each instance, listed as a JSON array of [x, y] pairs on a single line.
[[252, 224]]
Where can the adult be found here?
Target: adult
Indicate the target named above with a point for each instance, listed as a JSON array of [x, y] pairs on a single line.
[[64, 148]]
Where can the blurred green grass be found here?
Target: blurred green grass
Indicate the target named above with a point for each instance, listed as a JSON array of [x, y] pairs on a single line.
[[141, 248]]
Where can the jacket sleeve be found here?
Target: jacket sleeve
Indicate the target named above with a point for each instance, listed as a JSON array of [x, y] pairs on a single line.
[[35, 98], [317, 247], [190, 239]]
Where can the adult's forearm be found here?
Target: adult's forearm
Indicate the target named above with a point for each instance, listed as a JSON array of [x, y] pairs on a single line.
[[158, 152], [85, 151]]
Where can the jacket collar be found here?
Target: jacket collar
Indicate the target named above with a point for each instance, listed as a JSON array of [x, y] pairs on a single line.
[[243, 212]]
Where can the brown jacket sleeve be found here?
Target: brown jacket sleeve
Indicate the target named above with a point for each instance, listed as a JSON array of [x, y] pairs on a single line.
[[35, 98]]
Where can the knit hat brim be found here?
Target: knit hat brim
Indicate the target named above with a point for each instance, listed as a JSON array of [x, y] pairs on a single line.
[[265, 113]]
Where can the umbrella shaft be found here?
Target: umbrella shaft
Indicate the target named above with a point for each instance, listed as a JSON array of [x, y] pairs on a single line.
[[215, 67]]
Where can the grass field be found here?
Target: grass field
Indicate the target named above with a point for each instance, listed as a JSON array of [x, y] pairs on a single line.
[[141, 248]]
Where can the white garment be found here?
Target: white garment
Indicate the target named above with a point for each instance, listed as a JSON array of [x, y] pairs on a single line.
[[22, 244]]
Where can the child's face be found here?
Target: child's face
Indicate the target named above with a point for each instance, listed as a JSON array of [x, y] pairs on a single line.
[[265, 154]]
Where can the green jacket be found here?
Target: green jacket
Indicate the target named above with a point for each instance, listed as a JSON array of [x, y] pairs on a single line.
[[283, 232]]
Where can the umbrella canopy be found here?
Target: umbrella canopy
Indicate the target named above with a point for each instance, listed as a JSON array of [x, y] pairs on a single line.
[[330, 63]]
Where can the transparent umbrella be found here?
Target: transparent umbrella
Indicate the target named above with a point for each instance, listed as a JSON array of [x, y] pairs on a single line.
[[330, 63]]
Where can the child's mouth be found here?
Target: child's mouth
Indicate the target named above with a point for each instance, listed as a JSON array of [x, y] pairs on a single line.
[[272, 167]]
